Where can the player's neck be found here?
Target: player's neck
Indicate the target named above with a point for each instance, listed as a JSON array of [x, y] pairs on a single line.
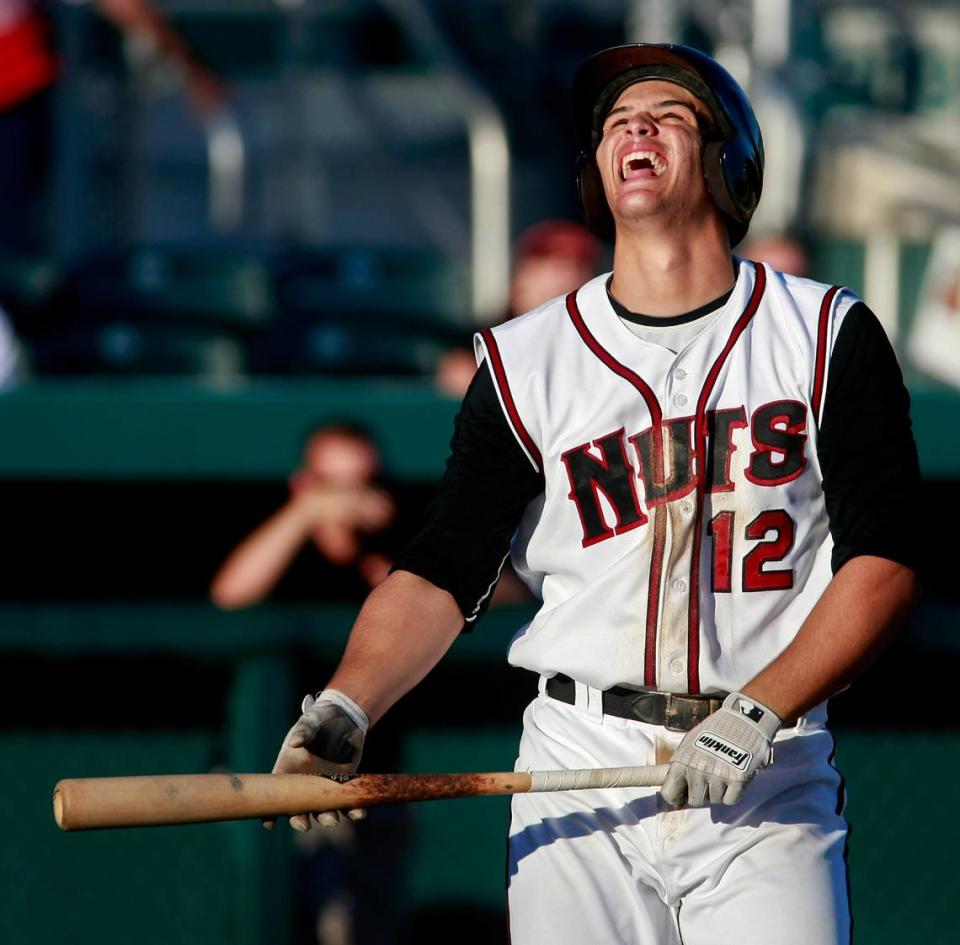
[[667, 276]]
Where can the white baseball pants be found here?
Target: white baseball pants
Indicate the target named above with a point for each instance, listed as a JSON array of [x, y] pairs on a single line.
[[620, 867]]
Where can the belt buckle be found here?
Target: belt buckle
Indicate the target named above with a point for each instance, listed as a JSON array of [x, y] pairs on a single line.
[[683, 713], [671, 713]]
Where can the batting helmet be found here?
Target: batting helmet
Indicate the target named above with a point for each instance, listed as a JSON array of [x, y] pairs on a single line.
[[733, 147]]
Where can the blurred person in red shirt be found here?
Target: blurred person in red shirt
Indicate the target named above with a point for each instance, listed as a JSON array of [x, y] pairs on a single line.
[[784, 252], [29, 68], [551, 258]]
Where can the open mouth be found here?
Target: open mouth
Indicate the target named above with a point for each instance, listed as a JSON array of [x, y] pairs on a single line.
[[641, 164]]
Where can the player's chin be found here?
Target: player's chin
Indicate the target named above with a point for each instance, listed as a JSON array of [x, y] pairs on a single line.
[[638, 202]]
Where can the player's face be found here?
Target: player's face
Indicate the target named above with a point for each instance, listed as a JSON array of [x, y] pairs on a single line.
[[650, 155]]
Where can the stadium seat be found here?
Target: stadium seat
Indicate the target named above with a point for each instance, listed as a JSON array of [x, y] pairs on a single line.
[[343, 348], [119, 347], [414, 286], [361, 310], [25, 282], [152, 310], [209, 286]]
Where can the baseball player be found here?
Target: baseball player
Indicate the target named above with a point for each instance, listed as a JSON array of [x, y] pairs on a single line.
[[692, 461]]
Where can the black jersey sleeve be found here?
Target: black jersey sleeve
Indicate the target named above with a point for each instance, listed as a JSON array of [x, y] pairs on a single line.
[[469, 525], [871, 474]]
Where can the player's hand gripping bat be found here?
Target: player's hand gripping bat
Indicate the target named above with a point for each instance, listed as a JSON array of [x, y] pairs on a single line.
[[88, 803]]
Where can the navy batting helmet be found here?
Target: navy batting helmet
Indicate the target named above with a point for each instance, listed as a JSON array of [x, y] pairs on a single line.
[[733, 147]]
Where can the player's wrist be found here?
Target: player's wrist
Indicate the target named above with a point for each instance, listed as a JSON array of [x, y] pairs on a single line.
[[350, 708], [758, 714]]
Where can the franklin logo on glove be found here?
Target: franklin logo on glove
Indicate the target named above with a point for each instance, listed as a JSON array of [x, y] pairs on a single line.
[[738, 757]]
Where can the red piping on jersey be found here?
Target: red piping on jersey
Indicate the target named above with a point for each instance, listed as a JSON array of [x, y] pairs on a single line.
[[656, 414], [646, 392], [821, 362], [500, 375], [700, 451], [659, 518]]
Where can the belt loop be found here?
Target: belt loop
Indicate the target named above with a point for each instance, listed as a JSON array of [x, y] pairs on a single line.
[[542, 685], [581, 696], [594, 707], [589, 701]]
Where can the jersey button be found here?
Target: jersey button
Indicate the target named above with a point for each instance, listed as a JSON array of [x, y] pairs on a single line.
[[680, 400], [686, 508], [679, 374], [679, 585], [677, 666]]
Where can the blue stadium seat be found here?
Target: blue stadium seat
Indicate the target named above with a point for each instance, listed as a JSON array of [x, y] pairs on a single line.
[[152, 310], [361, 310]]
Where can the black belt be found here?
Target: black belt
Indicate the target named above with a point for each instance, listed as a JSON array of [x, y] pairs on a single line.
[[677, 712]]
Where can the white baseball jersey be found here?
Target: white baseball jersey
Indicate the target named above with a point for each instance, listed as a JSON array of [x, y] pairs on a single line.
[[682, 537]]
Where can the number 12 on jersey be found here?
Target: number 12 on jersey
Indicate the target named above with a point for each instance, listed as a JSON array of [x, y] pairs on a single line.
[[756, 573]]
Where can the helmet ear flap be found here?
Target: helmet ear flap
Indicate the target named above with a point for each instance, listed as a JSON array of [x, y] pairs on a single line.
[[596, 210], [713, 154], [733, 179]]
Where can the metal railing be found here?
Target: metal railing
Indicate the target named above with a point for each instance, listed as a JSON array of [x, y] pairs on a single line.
[[489, 165], [226, 161], [868, 190], [488, 160]]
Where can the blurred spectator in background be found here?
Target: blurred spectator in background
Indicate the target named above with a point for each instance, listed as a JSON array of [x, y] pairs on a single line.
[[11, 357], [351, 875], [454, 371], [28, 70], [551, 258], [933, 336], [333, 507], [784, 252]]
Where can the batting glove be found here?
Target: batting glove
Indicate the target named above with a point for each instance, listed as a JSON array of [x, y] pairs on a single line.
[[719, 757], [327, 739]]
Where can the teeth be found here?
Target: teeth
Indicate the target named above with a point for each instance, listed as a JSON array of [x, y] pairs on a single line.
[[655, 162]]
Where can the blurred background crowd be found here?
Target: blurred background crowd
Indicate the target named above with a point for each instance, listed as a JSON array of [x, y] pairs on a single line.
[[244, 245], [228, 190]]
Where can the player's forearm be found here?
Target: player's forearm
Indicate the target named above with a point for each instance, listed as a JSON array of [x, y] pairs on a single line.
[[404, 628], [863, 607], [259, 561]]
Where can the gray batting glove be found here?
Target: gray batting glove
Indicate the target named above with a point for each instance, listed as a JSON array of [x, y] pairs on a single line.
[[718, 758], [327, 739]]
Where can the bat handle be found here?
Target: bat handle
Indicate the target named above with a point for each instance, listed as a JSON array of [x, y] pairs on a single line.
[[583, 778]]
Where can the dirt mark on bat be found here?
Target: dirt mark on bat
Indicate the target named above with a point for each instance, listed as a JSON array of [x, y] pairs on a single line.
[[236, 783], [388, 788]]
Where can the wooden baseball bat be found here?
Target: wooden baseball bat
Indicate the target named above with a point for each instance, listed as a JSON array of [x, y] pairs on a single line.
[[151, 801]]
